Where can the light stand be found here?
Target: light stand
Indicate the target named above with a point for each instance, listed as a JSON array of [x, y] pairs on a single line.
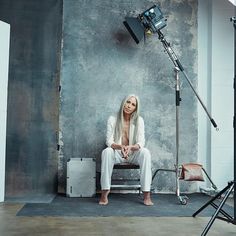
[[178, 67], [152, 20], [176, 170], [231, 185]]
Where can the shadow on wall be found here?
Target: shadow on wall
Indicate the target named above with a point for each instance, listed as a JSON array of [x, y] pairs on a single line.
[[123, 39]]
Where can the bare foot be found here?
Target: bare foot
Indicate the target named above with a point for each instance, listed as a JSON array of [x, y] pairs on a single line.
[[104, 197], [147, 199], [148, 202]]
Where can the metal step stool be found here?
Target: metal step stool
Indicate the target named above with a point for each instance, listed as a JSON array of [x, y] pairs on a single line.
[[126, 183]]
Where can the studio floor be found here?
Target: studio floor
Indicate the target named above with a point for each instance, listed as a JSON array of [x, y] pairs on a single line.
[[10, 225]]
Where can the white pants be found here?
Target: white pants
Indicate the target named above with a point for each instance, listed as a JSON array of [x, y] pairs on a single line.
[[141, 157]]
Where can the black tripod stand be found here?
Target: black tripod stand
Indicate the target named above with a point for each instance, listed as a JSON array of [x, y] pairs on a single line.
[[231, 185]]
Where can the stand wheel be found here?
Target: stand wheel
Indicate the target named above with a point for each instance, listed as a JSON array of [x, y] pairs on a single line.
[[183, 200]]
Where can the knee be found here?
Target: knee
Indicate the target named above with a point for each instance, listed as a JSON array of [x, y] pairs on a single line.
[[107, 153], [146, 154]]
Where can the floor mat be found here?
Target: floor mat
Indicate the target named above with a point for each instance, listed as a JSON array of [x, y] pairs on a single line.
[[122, 205]]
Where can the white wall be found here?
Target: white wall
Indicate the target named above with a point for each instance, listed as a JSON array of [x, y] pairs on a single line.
[[204, 82], [4, 59], [216, 72]]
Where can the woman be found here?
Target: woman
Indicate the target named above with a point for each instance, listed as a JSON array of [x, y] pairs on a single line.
[[125, 140]]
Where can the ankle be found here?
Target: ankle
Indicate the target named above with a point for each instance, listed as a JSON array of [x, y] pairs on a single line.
[[147, 195], [105, 193]]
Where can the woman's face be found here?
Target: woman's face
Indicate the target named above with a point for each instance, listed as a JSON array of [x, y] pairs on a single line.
[[130, 106]]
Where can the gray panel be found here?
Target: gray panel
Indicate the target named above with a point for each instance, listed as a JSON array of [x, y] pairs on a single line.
[[101, 64], [31, 162]]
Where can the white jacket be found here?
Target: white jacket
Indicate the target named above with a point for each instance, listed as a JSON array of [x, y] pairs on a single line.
[[139, 139]]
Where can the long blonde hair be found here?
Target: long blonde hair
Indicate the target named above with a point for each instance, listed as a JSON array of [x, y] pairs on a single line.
[[120, 117]]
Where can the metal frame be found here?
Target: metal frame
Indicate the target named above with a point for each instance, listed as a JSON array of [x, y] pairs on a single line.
[[126, 166]]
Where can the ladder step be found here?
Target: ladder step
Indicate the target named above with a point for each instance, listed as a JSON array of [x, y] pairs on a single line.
[[122, 179], [133, 186]]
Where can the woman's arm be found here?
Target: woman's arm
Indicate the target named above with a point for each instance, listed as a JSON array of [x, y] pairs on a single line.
[[117, 146], [134, 147], [111, 122], [140, 139]]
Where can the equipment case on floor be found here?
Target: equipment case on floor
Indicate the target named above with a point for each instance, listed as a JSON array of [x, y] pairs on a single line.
[[81, 177]]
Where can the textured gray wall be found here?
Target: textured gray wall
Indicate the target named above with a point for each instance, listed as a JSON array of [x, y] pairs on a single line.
[[101, 64], [33, 98]]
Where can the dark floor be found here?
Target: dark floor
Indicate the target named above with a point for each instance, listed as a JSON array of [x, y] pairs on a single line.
[[10, 225]]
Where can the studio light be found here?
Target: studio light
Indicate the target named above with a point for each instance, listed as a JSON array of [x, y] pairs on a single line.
[[151, 20]]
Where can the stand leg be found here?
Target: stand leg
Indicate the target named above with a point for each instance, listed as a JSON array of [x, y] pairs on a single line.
[[218, 210], [214, 198], [212, 184]]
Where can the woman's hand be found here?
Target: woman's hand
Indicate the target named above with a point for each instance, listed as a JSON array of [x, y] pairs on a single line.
[[125, 151]]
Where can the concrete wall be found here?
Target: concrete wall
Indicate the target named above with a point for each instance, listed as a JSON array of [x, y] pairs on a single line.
[[101, 64], [4, 64], [31, 152]]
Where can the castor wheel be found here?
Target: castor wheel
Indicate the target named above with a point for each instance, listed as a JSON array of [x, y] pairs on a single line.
[[183, 200]]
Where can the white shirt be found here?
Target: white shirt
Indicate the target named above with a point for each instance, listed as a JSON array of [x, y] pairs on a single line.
[[139, 139]]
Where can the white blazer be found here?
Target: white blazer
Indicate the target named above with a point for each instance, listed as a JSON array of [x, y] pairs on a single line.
[[139, 139]]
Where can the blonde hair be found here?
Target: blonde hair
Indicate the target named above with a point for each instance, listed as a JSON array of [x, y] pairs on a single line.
[[120, 117]]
